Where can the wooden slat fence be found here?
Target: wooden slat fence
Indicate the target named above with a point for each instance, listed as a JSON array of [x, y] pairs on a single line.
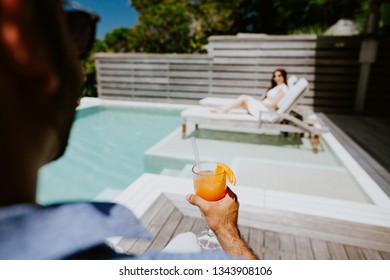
[[378, 91], [243, 64], [153, 77]]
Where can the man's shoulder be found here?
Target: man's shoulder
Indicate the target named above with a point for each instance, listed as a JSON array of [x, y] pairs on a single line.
[[72, 227]]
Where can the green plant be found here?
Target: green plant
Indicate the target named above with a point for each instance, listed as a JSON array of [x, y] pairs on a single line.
[[90, 84], [316, 29]]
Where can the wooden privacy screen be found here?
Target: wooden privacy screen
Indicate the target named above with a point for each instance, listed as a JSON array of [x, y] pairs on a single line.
[[243, 64]]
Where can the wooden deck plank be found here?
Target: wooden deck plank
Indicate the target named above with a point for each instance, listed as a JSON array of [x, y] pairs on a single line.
[[314, 222], [337, 251], [185, 225], [352, 233], [354, 253], [266, 243], [372, 254], [126, 244], [244, 231], [320, 249], [271, 246], [304, 250], [166, 232], [287, 247], [256, 241], [155, 225], [198, 226], [385, 255]]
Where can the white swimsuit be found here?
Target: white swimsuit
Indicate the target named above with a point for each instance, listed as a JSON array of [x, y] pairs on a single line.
[[255, 106]]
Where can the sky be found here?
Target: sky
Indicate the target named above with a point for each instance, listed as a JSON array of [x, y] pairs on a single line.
[[112, 13]]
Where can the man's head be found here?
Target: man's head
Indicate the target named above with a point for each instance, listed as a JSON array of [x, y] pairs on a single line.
[[40, 82]]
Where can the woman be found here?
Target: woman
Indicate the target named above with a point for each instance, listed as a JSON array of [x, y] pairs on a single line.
[[269, 101]]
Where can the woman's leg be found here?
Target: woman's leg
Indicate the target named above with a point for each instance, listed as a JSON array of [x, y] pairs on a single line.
[[240, 102]]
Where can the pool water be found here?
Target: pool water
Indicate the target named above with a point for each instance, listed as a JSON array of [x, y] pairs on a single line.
[[105, 151]]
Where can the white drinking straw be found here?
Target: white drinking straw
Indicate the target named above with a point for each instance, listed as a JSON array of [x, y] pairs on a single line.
[[195, 149]]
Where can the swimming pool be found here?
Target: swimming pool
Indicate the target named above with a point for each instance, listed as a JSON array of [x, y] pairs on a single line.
[[273, 163], [113, 143], [105, 151]]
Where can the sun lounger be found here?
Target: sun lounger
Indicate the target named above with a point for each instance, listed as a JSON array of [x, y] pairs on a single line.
[[218, 101], [285, 119]]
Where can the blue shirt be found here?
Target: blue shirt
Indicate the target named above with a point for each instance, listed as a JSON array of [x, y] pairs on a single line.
[[74, 231]]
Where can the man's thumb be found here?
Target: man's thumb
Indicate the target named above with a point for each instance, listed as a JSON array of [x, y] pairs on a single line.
[[195, 200]]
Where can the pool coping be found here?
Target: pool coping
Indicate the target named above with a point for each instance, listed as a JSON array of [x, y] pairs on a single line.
[[87, 102], [142, 193]]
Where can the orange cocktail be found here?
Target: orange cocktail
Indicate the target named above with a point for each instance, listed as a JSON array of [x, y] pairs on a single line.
[[210, 184], [210, 180]]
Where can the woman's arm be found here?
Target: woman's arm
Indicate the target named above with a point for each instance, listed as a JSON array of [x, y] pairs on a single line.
[[273, 105]]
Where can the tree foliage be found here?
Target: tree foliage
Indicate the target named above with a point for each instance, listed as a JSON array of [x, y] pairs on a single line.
[[183, 26], [119, 40], [283, 16], [90, 85], [163, 26]]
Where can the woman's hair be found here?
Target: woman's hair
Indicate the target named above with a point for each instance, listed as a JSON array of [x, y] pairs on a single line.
[[284, 74]]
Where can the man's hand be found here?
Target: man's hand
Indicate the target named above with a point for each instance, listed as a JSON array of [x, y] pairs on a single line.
[[221, 216]]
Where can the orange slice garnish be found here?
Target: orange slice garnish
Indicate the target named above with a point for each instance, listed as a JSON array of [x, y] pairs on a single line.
[[229, 173]]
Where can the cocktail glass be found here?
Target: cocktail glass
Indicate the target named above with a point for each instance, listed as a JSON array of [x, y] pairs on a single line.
[[210, 184]]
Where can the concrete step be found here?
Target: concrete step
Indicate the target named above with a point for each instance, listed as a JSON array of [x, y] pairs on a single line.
[[186, 172], [107, 195], [171, 172]]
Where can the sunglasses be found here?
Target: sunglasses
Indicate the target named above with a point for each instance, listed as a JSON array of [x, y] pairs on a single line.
[[82, 26]]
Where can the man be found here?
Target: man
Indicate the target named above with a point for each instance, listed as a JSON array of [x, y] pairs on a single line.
[[40, 84]]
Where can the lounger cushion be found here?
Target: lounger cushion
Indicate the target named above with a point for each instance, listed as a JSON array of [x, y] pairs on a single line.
[[295, 92], [292, 80], [201, 114], [295, 84], [216, 101]]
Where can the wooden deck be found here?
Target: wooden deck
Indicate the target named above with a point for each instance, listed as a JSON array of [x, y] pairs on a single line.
[[277, 234], [274, 235], [367, 139]]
